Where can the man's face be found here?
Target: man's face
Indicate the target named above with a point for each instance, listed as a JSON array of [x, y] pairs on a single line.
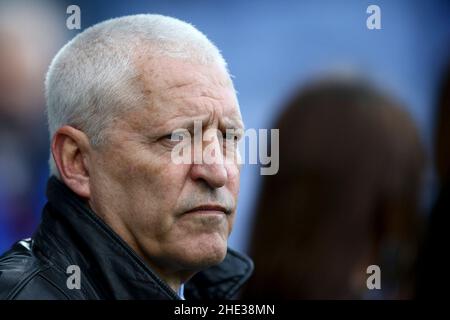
[[177, 216]]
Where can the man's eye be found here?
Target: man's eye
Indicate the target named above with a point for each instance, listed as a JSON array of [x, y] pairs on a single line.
[[167, 138], [172, 137], [175, 136]]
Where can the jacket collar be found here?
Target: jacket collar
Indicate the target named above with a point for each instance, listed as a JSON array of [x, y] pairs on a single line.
[[114, 268]]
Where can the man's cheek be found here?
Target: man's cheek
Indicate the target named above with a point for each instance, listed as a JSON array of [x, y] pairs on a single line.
[[234, 180]]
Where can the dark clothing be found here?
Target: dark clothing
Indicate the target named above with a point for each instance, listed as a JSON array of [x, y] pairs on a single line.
[[71, 234]]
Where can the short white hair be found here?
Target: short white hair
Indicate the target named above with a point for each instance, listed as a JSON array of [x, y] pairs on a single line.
[[92, 79]]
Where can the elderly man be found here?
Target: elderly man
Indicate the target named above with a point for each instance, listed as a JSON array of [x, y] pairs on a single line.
[[123, 219]]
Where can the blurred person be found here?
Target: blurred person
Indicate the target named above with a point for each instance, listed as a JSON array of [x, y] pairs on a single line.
[[345, 198], [432, 277], [29, 36], [133, 223]]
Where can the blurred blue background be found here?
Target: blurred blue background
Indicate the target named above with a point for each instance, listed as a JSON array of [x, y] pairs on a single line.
[[271, 47]]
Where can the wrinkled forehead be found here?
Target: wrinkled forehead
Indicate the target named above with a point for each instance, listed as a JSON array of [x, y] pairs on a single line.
[[181, 89], [162, 72]]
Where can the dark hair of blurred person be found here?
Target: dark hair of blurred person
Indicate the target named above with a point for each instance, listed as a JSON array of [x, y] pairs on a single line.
[[432, 278], [346, 197]]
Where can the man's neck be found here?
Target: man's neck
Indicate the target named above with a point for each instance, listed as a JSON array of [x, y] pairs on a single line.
[[174, 280]]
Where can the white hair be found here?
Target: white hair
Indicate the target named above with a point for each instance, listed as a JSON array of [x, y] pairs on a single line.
[[92, 79]]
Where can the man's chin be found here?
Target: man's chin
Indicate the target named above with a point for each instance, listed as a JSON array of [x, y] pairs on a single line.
[[204, 255]]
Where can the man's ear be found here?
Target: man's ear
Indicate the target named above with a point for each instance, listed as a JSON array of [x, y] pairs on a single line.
[[71, 151]]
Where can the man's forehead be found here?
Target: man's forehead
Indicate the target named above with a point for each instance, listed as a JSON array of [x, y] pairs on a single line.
[[182, 111], [180, 91], [160, 73]]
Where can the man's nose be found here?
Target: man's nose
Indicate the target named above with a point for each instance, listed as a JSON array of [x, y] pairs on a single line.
[[211, 170]]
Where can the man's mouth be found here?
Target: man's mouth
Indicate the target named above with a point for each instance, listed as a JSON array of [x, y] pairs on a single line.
[[209, 209]]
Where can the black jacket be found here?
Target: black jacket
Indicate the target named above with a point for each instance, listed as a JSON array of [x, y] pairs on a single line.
[[71, 234]]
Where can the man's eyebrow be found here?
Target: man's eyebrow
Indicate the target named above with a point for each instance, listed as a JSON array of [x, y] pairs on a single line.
[[188, 123]]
